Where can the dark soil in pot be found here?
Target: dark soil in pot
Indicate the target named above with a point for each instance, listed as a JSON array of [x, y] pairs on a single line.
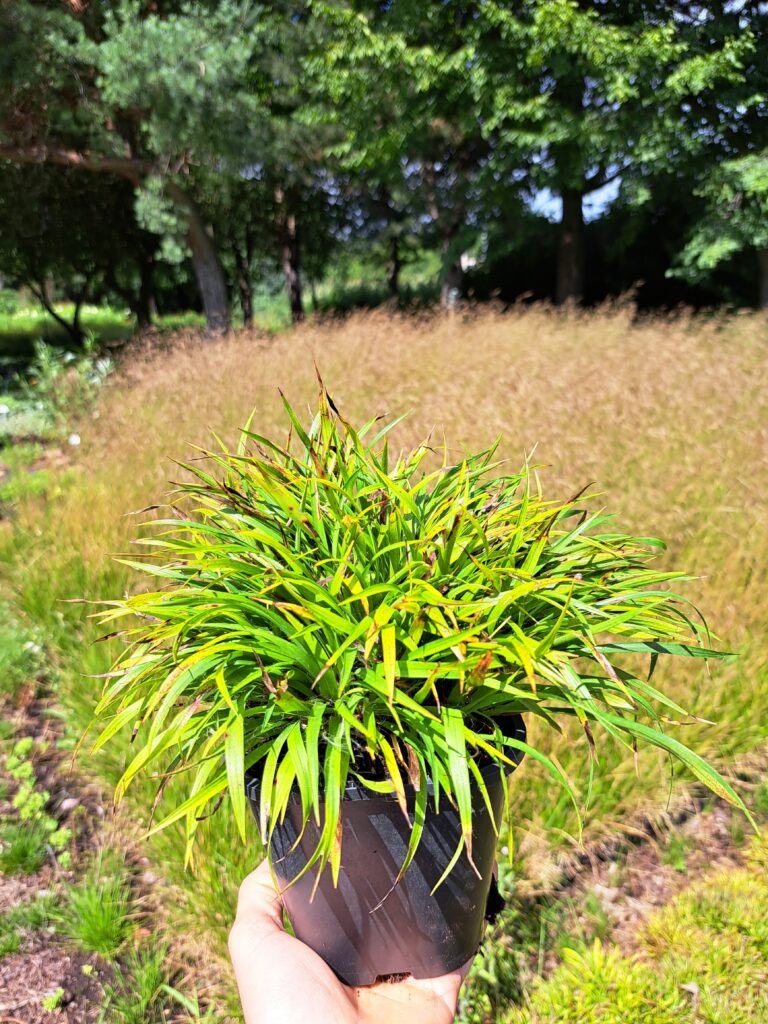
[[412, 931]]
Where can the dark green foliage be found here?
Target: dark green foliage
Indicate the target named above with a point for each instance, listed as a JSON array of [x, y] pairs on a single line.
[[54, 242], [249, 139], [9, 301]]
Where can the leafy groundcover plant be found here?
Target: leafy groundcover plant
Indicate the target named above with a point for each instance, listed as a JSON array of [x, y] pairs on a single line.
[[326, 611]]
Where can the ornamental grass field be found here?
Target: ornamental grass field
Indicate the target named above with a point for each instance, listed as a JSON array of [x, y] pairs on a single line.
[[664, 417]]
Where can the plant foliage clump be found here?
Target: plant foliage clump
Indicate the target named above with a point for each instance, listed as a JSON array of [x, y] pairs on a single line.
[[327, 611]]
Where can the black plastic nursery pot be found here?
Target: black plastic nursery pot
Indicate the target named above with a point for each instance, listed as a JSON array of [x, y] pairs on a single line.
[[367, 927]]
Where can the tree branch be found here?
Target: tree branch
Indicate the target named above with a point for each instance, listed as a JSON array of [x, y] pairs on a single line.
[[39, 293], [134, 169], [599, 179]]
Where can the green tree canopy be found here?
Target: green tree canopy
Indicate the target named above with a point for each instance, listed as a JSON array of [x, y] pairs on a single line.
[[266, 135]]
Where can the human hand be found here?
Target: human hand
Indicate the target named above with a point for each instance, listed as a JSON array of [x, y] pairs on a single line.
[[283, 981]]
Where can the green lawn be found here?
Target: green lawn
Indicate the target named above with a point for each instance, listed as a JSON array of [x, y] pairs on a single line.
[[20, 330]]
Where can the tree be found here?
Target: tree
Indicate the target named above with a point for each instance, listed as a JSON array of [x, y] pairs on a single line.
[[258, 135], [735, 218], [584, 91], [393, 78], [53, 234], [220, 87], [725, 157], [169, 91]]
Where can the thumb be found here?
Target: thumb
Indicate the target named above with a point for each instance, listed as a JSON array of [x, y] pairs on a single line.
[[258, 904]]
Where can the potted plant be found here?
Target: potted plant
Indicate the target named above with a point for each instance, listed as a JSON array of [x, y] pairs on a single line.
[[358, 639]]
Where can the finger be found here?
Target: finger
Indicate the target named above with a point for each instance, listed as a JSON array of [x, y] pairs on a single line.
[[280, 979], [259, 902]]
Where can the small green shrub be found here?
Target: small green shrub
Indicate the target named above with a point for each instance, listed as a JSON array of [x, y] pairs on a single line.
[[138, 994], [23, 847], [33, 914], [17, 762], [705, 958], [593, 923], [675, 852], [22, 486], [10, 940], [65, 383], [597, 984], [96, 913], [53, 1001], [190, 1004], [26, 841], [760, 799]]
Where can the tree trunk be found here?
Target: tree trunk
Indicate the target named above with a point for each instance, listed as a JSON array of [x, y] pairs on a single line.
[[762, 269], [80, 298], [570, 256], [394, 265], [77, 328], [291, 270], [290, 251], [141, 303], [209, 272], [210, 277], [145, 305], [452, 286], [453, 276], [243, 271]]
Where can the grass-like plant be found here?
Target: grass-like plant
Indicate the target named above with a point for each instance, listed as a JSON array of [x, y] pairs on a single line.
[[23, 847], [137, 992], [28, 916], [327, 611], [96, 914]]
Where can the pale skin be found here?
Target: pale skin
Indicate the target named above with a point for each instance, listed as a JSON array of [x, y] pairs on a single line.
[[282, 981]]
